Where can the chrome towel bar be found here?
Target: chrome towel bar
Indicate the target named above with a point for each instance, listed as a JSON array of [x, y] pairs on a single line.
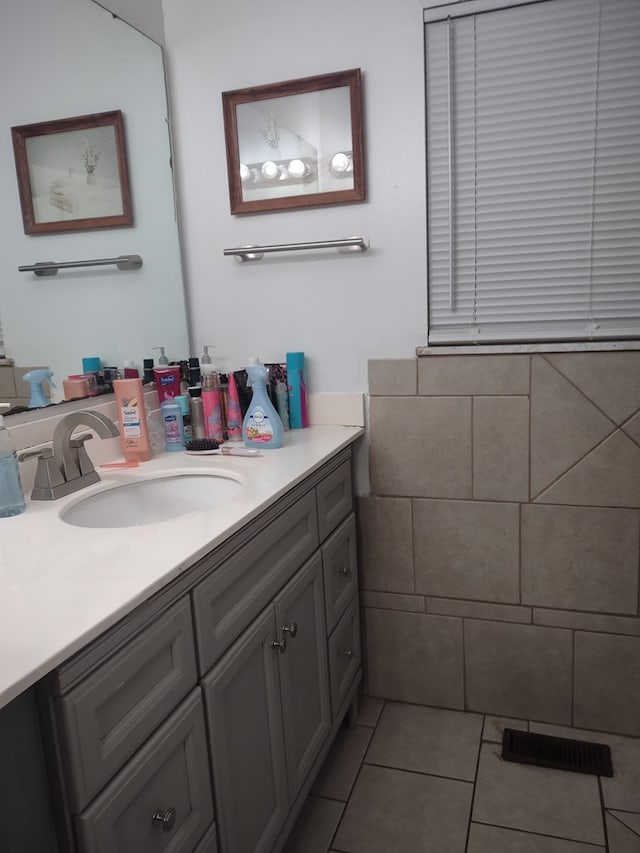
[[256, 253], [123, 262]]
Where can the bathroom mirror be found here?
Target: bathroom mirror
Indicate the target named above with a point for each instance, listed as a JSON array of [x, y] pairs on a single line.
[[82, 60], [295, 144]]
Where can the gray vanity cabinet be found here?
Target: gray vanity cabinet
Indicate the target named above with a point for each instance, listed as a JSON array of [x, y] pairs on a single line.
[[240, 672], [269, 714]]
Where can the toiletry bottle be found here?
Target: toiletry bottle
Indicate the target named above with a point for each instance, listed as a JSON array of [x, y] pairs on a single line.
[[11, 494], [211, 404], [297, 382], [234, 413], [147, 368], [163, 361], [171, 414], [261, 426], [282, 403], [197, 413], [205, 358], [132, 419], [167, 382], [35, 378], [156, 432], [183, 402], [194, 371], [129, 370]]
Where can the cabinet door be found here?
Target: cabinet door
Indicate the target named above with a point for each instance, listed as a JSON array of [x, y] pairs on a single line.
[[247, 748], [304, 684]]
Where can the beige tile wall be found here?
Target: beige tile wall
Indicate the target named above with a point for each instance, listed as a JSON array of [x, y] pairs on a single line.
[[500, 545], [12, 387]]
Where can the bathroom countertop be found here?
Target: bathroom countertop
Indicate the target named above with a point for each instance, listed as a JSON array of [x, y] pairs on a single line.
[[62, 585]]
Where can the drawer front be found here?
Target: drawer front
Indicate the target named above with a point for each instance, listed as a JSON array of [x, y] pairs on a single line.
[[226, 602], [340, 566], [344, 655], [335, 500], [168, 778], [109, 715]]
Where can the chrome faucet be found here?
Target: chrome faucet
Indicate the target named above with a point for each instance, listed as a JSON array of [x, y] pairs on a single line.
[[66, 467]]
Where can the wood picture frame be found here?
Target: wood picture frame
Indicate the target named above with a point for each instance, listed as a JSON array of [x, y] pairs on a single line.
[[294, 144], [73, 173]]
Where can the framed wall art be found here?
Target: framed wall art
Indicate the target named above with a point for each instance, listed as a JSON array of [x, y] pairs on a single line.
[[73, 174], [295, 144]]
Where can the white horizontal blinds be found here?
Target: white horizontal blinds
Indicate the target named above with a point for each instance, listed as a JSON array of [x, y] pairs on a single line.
[[542, 233], [616, 239]]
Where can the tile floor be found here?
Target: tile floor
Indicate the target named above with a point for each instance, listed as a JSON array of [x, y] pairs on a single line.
[[412, 779]]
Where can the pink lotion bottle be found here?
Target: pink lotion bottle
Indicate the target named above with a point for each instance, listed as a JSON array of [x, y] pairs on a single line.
[[211, 403]]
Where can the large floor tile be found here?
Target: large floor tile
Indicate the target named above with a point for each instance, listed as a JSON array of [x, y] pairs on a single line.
[[391, 810], [494, 839], [427, 740], [315, 827], [339, 771], [622, 790], [621, 838], [536, 799]]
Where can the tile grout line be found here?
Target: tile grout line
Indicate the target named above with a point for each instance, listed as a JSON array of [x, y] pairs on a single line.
[[530, 832], [603, 813], [475, 784]]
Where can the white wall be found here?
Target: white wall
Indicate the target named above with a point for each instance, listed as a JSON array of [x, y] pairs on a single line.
[[341, 310]]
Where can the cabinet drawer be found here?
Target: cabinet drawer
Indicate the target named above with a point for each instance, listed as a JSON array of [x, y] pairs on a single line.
[[344, 655], [334, 499], [226, 602], [113, 711], [168, 777], [340, 567]]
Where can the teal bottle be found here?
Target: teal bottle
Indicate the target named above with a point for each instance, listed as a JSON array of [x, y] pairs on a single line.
[[261, 426]]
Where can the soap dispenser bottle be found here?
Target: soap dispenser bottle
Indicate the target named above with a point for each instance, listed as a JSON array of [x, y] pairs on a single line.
[[262, 426], [11, 494]]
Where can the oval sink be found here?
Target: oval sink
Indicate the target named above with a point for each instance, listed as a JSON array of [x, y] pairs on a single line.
[[151, 501]]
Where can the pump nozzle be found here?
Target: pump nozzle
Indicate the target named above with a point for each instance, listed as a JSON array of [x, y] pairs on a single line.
[[162, 359], [206, 358], [35, 378]]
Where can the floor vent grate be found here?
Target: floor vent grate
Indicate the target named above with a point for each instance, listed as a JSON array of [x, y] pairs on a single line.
[[580, 756]]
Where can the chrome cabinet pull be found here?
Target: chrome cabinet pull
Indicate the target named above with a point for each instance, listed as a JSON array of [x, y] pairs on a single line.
[[281, 645], [167, 819], [345, 571], [292, 629], [347, 652]]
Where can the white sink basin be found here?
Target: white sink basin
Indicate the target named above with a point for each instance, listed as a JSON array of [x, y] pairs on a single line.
[[151, 501]]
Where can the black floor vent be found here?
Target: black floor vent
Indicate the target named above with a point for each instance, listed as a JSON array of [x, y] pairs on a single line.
[[580, 756]]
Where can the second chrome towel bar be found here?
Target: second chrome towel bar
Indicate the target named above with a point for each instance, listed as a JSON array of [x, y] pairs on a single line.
[[256, 253], [123, 262]]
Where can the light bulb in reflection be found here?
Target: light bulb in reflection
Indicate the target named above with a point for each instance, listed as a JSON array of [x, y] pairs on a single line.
[[270, 170], [341, 162], [245, 172], [298, 169]]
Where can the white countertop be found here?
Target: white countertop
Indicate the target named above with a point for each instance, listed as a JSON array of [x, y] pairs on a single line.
[[62, 586]]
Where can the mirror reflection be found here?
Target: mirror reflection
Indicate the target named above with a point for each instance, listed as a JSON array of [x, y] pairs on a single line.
[[84, 61]]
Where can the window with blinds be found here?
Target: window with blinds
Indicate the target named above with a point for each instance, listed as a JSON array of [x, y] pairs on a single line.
[[533, 171]]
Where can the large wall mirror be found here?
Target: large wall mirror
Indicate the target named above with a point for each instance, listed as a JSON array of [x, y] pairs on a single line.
[[65, 58]]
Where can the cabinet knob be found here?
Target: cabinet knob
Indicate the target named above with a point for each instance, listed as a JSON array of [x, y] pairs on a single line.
[[167, 819], [347, 652], [281, 645], [345, 571], [290, 629]]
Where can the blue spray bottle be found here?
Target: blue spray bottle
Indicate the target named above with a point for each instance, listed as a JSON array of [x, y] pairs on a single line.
[[35, 378], [261, 426]]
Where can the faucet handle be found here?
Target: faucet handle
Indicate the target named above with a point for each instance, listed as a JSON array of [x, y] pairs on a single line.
[[84, 463], [42, 453]]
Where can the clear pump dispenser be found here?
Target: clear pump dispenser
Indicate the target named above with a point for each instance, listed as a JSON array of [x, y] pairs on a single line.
[[11, 494]]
